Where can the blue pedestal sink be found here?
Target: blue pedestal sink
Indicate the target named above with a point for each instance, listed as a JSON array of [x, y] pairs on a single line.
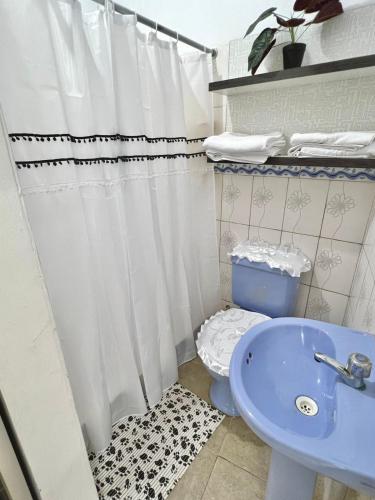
[[313, 421]]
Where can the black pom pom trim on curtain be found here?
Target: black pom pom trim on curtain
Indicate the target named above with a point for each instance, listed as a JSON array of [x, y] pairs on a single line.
[[100, 138], [51, 138], [102, 159]]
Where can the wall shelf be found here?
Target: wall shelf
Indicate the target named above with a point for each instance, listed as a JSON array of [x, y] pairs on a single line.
[[334, 70], [311, 162]]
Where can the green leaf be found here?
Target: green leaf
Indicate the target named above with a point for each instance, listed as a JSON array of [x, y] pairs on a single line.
[[260, 45], [263, 16], [254, 68]]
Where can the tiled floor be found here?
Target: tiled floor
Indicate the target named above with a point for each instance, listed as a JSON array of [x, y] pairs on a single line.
[[234, 462]]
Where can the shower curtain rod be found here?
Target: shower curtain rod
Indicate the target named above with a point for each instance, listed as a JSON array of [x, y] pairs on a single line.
[[159, 27]]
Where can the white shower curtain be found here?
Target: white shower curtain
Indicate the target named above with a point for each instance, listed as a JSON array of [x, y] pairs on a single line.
[[106, 126]]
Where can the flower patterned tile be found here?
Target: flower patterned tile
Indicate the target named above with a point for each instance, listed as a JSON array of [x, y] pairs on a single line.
[[361, 270], [218, 194], [369, 239], [236, 198], [359, 314], [301, 302], [335, 265], [363, 316], [349, 315], [366, 289], [369, 242], [231, 235], [369, 318], [305, 206], [226, 282], [347, 210], [268, 202], [262, 234], [370, 254], [307, 244], [326, 306]]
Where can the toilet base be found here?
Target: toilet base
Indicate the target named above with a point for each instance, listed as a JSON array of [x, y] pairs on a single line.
[[221, 395]]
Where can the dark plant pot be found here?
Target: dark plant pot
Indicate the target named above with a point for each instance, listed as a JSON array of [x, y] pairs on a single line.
[[293, 55]]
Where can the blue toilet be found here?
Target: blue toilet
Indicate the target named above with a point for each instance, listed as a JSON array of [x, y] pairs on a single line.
[[262, 293]]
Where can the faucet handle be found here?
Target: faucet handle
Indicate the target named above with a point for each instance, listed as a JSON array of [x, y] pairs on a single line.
[[359, 365]]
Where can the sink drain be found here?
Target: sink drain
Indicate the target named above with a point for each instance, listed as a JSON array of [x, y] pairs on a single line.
[[307, 406]]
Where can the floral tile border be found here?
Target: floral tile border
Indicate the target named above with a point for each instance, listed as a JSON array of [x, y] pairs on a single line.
[[367, 174]]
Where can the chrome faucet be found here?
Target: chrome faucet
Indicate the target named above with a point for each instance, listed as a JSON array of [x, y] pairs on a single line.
[[357, 368]]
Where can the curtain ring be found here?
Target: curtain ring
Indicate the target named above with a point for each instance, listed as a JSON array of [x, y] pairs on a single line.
[[156, 28], [177, 37], [136, 17]]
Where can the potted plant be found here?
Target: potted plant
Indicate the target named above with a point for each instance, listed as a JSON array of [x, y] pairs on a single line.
[[292, 53]]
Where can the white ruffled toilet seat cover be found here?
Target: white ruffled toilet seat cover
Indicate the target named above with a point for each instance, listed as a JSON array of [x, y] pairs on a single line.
[[219, 335]]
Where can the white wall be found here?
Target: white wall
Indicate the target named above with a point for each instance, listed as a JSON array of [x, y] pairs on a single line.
[[212, 22], [33, 378]]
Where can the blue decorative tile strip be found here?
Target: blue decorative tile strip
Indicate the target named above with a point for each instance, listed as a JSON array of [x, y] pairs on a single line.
[[295, 171]]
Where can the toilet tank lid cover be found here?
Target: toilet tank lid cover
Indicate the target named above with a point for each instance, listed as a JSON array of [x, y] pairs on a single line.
[[285, 257], [219, 335]]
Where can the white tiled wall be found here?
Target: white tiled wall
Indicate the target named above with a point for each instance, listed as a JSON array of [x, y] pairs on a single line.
[[327, 219], [360, 313]]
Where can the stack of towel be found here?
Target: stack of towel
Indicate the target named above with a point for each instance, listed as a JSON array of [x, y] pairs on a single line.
[[337, 144], [243, 148]]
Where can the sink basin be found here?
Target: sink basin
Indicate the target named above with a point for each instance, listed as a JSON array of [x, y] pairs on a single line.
[[272, 366]]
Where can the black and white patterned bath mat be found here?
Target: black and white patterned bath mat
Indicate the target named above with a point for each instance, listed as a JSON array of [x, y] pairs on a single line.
[[149, 454]]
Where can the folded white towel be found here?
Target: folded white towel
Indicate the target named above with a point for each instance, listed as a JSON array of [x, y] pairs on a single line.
[[341, 139], [332, 151], [254, 157], [238, 144]]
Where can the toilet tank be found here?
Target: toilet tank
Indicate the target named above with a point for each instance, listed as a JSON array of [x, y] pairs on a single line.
[[258, 287]]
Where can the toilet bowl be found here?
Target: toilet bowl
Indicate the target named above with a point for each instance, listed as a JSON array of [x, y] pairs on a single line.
[[265, 282], [216, 341]]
